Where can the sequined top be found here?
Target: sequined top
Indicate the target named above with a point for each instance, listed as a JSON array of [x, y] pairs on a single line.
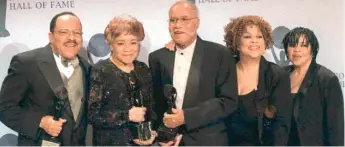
[[110, 101]]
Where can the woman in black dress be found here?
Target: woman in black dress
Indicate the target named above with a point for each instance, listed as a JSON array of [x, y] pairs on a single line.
[[318, 108], [118, 84], [263, 115]]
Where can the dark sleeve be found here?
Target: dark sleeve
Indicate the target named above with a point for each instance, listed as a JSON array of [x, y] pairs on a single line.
[[148, 98], [283, 102], [334, 108], [98, 115], [225, 102], [21, 118], [160, 105]]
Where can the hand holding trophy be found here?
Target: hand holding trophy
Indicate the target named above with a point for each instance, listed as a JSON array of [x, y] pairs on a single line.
[[48, 123], [166, 134], [142, 129]]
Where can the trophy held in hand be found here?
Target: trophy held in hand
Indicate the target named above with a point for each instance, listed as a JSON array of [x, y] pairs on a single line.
[[166, 134], [61, 95], [141, 130]]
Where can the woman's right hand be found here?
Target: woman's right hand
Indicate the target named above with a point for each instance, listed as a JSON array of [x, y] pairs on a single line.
[[137, 114]]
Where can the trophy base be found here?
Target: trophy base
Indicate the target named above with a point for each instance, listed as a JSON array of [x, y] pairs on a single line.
[[166, 134], [4, 33], [51, 142], [142, 131]]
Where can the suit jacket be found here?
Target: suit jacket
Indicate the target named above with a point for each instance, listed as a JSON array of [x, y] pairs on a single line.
[[320, 108], [27, 95], [211, 92]]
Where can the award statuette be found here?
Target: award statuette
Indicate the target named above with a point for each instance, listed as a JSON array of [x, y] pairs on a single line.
[[59, 103], [166, 134], [3, 31], [141, 130]]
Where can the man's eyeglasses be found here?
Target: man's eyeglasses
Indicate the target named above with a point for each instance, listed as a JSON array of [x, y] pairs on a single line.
[[183, 21], [65, 33]]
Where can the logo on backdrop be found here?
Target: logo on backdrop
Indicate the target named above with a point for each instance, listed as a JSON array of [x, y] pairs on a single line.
[[278, 36], [97, 48], [8, 140], [193, 1], [3, 30], [46, 4]]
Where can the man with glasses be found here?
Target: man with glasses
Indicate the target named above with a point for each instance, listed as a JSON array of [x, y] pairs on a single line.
[[39, 78], [204, 76]]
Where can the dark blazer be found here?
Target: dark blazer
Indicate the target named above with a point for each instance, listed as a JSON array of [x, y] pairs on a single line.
[[320, 108], [27, 95], [273, 90], [211, 92]]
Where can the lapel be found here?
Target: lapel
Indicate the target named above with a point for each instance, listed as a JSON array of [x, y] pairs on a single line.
[[262, 92], [49, 69], [308, 80], [264, 79], [305, 85], [192, 87], [168, 69]]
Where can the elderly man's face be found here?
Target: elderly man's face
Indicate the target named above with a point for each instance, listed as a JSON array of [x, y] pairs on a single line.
[[66, 39], [183, 24]]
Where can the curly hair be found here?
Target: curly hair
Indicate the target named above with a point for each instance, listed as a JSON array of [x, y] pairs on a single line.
[[123, 24], [236, 28]]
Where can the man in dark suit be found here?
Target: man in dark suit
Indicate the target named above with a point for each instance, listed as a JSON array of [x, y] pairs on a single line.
[[204, 76], [29, 90]]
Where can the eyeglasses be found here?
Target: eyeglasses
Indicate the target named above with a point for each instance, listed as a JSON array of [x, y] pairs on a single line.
[[184, 21], [65, 33]]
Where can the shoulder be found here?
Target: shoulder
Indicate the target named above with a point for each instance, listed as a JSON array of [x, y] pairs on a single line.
[[325, 72], [159, 52], [216, 51], [278, 73], [213, 46], [30, 55], [277, 69], [159, 55], [325, 75], [288, 68], [140, 64], [26, 59], [142, 71], [142, 68], [100, 65]]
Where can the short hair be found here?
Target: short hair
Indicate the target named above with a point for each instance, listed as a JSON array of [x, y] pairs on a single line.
[[54, 19], [123, 24], [236, 27], [292, 37], [194, 7]]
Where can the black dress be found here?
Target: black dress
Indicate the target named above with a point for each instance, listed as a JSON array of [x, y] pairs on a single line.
[[244, 124], [110, 101]]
